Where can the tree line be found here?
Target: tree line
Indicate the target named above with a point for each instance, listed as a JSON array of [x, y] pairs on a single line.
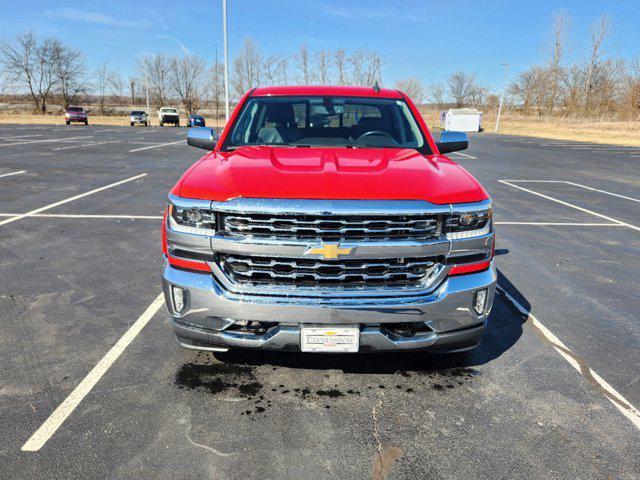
[[46, 70], [597, 84]]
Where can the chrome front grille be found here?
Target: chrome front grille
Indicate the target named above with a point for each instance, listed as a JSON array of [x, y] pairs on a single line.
[[396, 273], [337, 228]]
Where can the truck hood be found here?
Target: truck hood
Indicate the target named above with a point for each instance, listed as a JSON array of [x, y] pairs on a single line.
[[329, 173]]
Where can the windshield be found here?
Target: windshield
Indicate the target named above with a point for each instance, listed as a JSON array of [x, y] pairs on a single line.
[[75, 109], [137, 112], [169, 110], [326, 121]]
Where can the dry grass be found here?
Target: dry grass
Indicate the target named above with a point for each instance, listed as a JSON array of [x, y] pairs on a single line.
[[607, 132]]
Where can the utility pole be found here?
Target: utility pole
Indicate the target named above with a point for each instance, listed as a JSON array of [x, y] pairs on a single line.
[[504, 89], [146, 87], [226, 60]]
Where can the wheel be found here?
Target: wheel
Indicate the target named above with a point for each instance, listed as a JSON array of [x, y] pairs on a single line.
[[177, 124], [161, 123], [131, 124], [68, 122], [86, 122], [146, 124]]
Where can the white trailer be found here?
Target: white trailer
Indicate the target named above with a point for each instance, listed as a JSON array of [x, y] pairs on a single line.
[[461, 120]]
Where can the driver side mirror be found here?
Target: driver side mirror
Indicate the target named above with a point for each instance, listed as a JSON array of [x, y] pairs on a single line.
[[202, 137], [452, 142]]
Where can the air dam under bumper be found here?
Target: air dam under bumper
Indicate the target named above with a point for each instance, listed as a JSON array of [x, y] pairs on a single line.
[[448, 312]]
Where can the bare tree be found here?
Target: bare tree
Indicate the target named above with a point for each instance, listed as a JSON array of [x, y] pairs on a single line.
[[530, 88], [132, 85], [102, 75], [274, 70], [323, 66], [157, 68], [6, 86], [339, 60], [464, 89], [365, 66], [116, 85], [557, 52], [631, 92], [246, 68], [436, 92], [187, 75], [69, 68], [28, 62], [599, 33], [216, 85], [413, 88], [304, 66]]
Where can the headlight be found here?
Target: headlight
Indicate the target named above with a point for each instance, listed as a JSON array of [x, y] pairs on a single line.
[[194, 220], [469, 224]]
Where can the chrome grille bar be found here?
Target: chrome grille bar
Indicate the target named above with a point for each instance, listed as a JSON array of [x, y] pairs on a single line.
[[301, 273], [333, 227]]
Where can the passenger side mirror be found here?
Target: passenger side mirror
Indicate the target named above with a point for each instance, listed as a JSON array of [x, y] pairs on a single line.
[[452, 142], [202, 137]]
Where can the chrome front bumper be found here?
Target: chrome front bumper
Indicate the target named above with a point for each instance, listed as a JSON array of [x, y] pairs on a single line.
[[447, 311]]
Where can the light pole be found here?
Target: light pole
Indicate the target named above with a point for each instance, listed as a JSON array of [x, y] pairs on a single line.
[[146, 88], [216, 90], [226, 60], [504, 89]]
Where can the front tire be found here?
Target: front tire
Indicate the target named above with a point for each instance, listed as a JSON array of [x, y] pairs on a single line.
[[67, 122], [161, 123], [86, 122], [131, 124]]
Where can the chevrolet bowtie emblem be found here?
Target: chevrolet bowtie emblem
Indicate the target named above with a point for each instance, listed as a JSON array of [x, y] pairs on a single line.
[[329, 251]]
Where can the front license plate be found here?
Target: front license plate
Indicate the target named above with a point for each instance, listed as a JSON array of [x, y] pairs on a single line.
[[343, 339]]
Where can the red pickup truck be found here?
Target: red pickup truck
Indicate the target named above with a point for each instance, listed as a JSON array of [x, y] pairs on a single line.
[[327, 219]]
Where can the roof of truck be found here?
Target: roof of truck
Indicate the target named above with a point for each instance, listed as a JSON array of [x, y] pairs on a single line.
[[320, 90]]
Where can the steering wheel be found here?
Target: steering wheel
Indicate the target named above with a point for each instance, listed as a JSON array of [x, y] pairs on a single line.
[[373, 132]]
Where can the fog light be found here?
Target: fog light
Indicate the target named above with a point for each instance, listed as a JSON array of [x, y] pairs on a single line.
[[480, 300], [178, 298]]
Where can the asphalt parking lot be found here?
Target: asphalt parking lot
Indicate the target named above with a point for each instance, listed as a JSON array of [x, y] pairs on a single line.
[[95, 386]]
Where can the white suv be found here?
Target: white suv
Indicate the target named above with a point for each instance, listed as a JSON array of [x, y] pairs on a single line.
[[169, 115]]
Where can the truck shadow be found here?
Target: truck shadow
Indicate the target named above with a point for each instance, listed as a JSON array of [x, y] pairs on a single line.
[[503, 331]]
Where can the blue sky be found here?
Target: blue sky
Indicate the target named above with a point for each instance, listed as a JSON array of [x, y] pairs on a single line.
[[426, 39]]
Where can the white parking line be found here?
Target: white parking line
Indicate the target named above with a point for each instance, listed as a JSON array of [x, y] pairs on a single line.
[[576, 185], [28, 142], [563, 224], [85, 215], [60, 414], [71, 199], [155, 146], [562, 202], [151, 130], [604, 191], [13, 173], [464, 155], [88, 145], [11, 137], [621, 403]]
